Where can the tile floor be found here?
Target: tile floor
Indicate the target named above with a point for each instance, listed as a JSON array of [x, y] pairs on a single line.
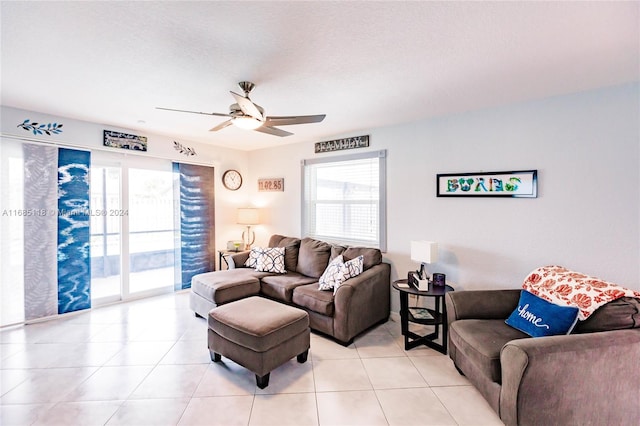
[[146, 363]]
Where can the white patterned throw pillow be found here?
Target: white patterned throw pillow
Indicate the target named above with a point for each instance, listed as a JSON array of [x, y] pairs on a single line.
[[353, 267], [350, 269], [333, 275], [271, 260], [252, 260]]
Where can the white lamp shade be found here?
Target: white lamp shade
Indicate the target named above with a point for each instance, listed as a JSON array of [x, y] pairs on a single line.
[[424, 251], [248, 216]]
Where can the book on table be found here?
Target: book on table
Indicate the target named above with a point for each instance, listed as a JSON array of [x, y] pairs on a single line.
[[421, 313]]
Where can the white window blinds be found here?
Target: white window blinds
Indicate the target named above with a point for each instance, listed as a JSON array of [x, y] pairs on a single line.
[[344, 199]]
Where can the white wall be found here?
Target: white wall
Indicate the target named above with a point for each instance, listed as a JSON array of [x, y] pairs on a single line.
[[585, 146]]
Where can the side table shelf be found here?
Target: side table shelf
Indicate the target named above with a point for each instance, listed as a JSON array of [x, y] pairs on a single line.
[[439, 314], [436, 317]]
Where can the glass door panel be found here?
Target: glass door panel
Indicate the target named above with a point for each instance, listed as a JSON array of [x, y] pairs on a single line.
[[151, 230], [106, 283]]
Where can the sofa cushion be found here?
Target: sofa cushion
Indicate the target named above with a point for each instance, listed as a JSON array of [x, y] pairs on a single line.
[[538, 317], [280, 287], [314, 299], [372, 256], [227, 286], [480, 341], [337, 250], [313, 257], [291, 249], [616, 315]]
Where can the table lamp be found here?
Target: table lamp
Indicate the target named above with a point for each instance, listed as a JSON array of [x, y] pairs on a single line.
[[248, 217], [424, 252]]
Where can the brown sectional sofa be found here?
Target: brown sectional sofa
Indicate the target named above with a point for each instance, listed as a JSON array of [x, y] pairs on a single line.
[[589, 377], [358, 304]]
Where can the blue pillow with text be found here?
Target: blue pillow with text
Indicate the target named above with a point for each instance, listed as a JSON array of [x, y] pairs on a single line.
[[539, 318]]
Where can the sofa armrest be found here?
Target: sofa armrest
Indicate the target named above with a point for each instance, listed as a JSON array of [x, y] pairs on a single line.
[[574, 379], [481, 304], [362, 301], [237, 260]]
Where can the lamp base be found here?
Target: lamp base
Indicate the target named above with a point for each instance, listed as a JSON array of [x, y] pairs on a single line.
[[248, 237], [422, 274]]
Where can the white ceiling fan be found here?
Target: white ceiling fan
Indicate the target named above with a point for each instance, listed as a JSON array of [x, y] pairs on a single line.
[[248, 115]]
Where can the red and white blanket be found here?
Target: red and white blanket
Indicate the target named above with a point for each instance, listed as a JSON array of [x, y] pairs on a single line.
[[563, 287]]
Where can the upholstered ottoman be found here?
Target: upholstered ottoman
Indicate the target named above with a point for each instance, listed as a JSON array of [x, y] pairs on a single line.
[[258, 334]]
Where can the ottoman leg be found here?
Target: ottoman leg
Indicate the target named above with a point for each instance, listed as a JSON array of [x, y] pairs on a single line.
[[262, 381], [215, 357], [303, 356]]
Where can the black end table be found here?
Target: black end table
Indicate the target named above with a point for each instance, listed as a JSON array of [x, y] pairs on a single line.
[[222, 256], [438, 316]]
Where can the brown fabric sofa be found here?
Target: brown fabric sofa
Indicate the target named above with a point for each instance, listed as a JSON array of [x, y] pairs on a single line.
[[358, 304], [589, 377]]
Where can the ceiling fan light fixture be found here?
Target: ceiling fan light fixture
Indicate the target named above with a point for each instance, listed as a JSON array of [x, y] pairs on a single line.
[[247, 123], [247, 115]]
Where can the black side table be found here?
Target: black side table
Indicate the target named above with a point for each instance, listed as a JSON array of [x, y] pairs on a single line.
[[222, 255], [438, 320]]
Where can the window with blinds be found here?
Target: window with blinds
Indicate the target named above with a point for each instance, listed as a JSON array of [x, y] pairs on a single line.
[[344, 199]]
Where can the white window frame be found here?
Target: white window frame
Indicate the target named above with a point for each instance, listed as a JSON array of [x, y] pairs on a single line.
[[307, 228]]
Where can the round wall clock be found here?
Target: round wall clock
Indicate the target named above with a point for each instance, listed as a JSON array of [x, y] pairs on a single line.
[[232, 180]]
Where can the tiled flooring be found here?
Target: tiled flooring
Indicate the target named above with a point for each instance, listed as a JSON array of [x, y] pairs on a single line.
[[146, 363]]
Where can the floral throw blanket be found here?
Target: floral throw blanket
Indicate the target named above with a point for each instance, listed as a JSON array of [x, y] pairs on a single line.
[[563, 287]]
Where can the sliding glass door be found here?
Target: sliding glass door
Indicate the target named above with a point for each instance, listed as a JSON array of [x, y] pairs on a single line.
[[151, 229], [105, 233], [132, 227]]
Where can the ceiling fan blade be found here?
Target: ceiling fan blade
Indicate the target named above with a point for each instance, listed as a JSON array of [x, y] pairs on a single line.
[[248, 107], [217, 114], [299, 119], [221, 125], [273, 131]]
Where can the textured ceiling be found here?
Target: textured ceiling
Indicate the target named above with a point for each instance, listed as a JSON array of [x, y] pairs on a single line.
[[364, 64]]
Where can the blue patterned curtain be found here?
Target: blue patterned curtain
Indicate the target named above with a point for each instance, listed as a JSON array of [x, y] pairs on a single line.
[[196, 252], [74, 262]]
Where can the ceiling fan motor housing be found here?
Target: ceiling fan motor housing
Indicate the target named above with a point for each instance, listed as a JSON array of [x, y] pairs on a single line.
[[246, 86]]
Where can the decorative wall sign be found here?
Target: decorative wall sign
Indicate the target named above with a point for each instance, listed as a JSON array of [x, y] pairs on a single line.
[[521, 183], [341, 144], [40, 128], [125, 141], [271, 184], [182, 149]]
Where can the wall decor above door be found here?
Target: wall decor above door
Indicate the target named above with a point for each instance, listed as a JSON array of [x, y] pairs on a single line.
[[124, 140]]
